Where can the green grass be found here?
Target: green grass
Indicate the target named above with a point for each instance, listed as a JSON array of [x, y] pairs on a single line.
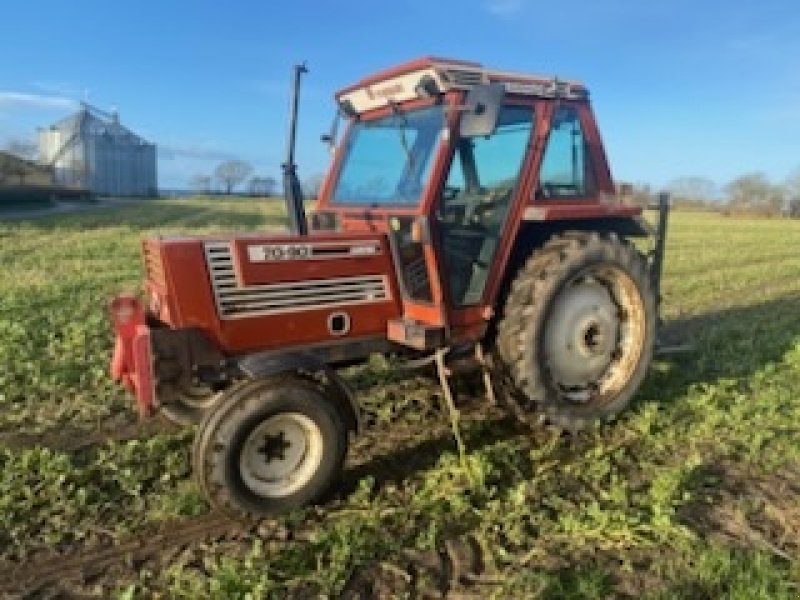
[[685, 496]]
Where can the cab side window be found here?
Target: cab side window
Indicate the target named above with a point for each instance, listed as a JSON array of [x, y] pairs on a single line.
[[566, 170]]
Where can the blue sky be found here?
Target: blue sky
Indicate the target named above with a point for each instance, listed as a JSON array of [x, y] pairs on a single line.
[[681, 88]]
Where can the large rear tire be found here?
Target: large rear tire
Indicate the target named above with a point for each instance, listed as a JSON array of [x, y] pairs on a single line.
[[577, 332], [269, 446]]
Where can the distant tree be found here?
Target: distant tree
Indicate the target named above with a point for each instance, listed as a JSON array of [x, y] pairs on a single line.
[[639, 194], [312, 185], [231, 173], [793, 208], [262, 186], [793, 182], [25, 149], [753, 193], [792, 191], [200, 184], [270, 185], [255, 186], [696, 192]]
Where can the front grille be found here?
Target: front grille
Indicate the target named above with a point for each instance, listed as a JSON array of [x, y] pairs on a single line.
[[237, 301]]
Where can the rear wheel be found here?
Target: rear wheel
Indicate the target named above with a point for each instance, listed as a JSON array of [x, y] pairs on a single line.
[[269, 446], [577, 334]]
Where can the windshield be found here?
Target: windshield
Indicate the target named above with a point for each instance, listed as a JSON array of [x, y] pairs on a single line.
[[387, 161]]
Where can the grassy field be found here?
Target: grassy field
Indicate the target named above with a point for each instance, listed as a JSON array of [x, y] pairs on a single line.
[[692, 493]]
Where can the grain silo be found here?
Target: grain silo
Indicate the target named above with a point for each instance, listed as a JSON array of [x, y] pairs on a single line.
[[92, 149]]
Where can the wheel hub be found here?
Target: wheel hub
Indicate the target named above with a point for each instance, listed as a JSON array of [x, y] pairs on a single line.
[[281, 454], [581, 335], [274, 447]]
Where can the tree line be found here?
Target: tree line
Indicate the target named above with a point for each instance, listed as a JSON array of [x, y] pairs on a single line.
[[751, 193], [236, 176]]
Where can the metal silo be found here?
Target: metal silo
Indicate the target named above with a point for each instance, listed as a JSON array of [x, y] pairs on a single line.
[[93, 149]]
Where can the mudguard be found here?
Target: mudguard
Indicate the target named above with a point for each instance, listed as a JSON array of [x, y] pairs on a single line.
[[268, 364]]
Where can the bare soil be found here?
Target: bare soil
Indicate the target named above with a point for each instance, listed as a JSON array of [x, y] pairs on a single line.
[[746, 508]]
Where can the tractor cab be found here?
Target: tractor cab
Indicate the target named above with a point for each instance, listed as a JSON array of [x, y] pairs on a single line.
[[443, 156]]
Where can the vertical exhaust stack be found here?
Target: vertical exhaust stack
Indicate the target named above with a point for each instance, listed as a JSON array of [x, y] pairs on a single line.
[[292, 192]]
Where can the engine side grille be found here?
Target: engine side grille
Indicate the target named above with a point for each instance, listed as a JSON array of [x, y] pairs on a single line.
[[236, 301], [153, 265]]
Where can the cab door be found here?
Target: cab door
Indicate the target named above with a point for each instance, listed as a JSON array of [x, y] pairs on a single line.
[[482, 187]]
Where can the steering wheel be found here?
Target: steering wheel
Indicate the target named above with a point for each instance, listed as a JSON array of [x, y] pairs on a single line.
[[477, 212]]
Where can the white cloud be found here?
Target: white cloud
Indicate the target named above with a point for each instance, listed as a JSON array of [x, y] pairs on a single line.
[[61, 88], [503, 8], [35, 101]]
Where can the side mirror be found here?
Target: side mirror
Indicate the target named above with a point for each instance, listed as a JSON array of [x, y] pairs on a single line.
[[482, 109]]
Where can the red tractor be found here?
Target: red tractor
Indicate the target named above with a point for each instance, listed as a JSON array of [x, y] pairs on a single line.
[[467, 213]]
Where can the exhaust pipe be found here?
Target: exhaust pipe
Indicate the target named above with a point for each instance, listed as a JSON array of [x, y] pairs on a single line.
[[292, 191]]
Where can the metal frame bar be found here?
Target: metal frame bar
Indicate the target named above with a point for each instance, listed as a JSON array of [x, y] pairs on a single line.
[[657, 254]]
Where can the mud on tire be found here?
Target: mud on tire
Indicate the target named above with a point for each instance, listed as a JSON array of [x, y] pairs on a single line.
[[576, 336], [269, 446]]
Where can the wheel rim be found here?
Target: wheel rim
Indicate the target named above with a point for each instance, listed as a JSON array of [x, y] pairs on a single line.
[[594, 336], [281, 455]]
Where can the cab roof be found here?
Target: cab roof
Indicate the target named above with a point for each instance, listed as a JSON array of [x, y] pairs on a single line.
[[417, 77]]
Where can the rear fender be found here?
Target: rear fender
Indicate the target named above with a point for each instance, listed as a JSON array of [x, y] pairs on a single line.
[[533, 235], [269, 364]]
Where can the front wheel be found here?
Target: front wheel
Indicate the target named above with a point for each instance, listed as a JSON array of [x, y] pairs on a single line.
[[578, 329], [269, 446]]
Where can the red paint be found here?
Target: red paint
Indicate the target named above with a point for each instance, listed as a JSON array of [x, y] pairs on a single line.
[[190, 301], [131, 364]]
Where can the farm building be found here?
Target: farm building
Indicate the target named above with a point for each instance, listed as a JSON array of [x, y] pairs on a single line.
[[92, 149], [18, 171]]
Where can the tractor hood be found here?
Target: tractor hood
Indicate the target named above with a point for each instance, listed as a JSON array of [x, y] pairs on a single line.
[[251, 291]]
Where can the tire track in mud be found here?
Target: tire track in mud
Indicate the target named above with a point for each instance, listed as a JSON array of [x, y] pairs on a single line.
[[388, 452], [459, 569], [37, 578], [70, 439]]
